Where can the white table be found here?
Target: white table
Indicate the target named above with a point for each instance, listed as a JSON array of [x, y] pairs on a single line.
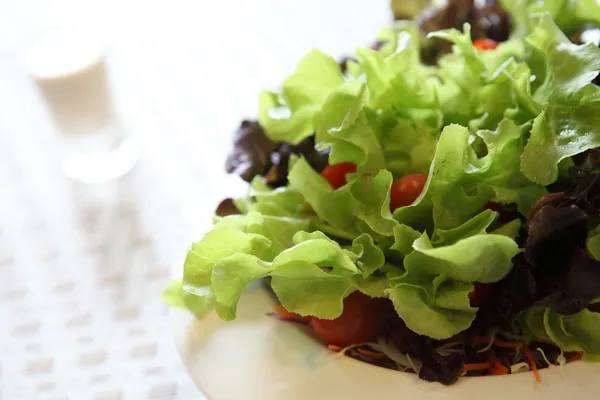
[[82, 268]]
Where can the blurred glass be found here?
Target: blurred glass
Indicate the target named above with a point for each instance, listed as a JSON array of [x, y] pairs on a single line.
[[69, 69]]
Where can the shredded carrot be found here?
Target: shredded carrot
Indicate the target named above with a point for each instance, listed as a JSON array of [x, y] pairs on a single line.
[[476, 366], [498, 343], [369, 353], [508, 345], [576, 357], [534, 368], [334, 347], [497, 368], [290, 315]]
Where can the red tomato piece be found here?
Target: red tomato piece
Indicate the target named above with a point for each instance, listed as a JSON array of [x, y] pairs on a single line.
[[336, 174], [290, 315], [358, 323], [492, 205], [485, 44], [405, 190]]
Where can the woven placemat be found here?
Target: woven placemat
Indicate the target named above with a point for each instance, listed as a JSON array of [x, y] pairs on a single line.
[[80, 280]]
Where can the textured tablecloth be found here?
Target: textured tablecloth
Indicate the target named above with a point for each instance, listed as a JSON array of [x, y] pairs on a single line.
[[82, 267]]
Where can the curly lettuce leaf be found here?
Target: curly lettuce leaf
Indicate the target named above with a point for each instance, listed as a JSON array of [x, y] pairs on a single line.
[[177, 297], [451, 195], [300, 100], [462, 76], [475, 226], [408, 145], [215, 248], [499, 168], [432, 294], [278, 230], [347, 131], [395, 75], [577, 332], [370, 256], [304, 287], [477, 87], [463, 50], [417, 305], [459, 183], [510, 229], [354, 134], [404, 237], [480, 258], [281, 202], [402, 137], [311, 277], [361, 206], [567, 14], [569, 124]]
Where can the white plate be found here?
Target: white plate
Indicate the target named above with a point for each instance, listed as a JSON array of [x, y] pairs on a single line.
[[257, 357]]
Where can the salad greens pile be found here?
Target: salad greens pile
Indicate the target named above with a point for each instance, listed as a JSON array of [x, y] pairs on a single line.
[[501, 125]]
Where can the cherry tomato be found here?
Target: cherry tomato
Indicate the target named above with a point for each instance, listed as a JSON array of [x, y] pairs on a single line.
[[485, 44], [336, 174], [405, 190], [358, 323]]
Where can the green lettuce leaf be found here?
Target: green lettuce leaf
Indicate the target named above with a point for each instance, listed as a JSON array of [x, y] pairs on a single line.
[[304, 287], [570, 14], [400, 139], [408, 144], [395, 76], [510, 229], [593, 244], [404, 237], [216, 247], [475, 226], [570, 122], [577, 332], [452, 195], [361, 206], [281, 202], [479, 258], [178, 295], [226, 260], [567, 14], [370, 256], [460, 184], [279, 231], [347, 131], [425, 314], [431, 293], [499, 168], [462, 76], [299, 104]]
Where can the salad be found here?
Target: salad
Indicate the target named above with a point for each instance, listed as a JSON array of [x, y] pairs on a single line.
[[431, 204]]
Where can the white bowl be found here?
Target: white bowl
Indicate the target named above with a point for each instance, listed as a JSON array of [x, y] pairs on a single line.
[[257, 357]]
